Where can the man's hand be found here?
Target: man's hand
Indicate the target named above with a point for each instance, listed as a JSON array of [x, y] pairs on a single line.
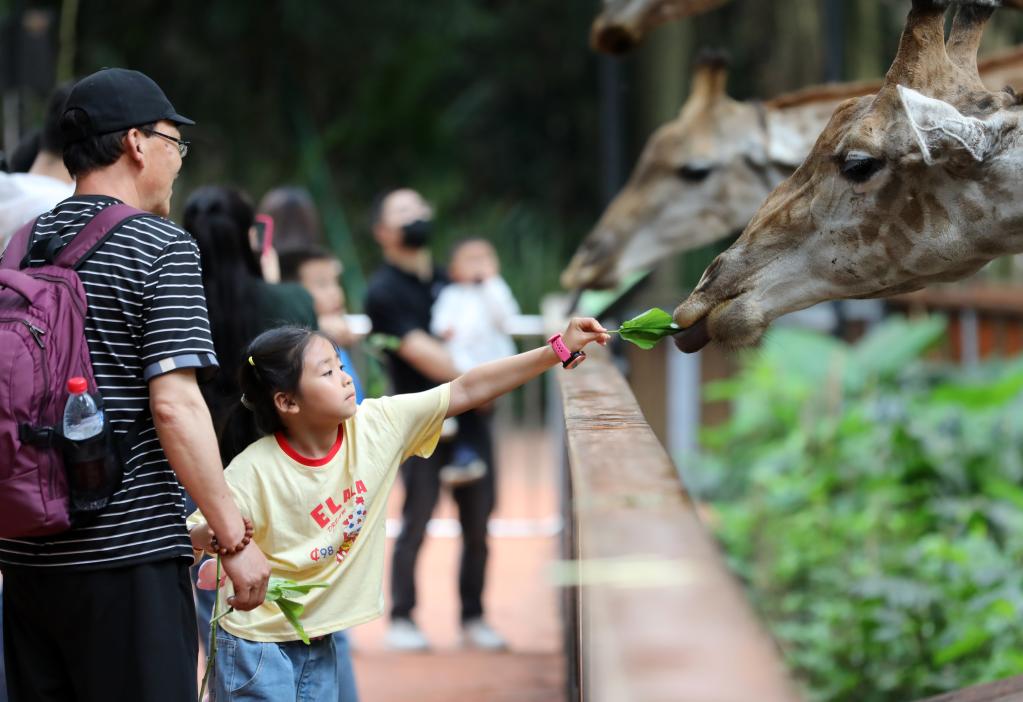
[[249, 573], [581, 331]]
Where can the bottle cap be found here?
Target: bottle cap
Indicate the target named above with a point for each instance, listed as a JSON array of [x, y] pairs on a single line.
[[77, 385]]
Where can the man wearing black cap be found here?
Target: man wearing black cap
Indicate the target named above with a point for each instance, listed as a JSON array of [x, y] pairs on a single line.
[[105, 610]]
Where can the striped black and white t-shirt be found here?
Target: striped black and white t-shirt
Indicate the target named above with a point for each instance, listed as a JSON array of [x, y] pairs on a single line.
[[146, 316]]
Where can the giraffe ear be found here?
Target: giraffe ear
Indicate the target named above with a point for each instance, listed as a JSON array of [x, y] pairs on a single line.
[[940, 129]]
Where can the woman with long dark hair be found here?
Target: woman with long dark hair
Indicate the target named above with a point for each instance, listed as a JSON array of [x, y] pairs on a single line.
[[240, 303]]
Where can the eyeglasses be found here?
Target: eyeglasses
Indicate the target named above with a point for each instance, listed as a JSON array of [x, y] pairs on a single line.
[[181, 143]]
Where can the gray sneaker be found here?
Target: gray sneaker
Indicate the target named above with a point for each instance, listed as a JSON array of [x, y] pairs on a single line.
[[404, 635], [476, 633]]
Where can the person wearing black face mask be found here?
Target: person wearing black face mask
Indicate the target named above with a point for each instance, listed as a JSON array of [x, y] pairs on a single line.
[[400, 296], [416, 235]]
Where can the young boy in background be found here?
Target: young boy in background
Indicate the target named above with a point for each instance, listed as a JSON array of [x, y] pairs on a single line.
[[319, 272]]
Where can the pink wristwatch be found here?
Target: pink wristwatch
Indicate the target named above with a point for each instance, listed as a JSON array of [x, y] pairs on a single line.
[[569, 359]]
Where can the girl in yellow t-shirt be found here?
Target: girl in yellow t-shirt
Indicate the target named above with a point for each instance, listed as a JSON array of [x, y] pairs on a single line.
[[314, 490]]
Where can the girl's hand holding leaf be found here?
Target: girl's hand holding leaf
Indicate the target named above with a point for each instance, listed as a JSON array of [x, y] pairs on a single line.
[[581, 331]]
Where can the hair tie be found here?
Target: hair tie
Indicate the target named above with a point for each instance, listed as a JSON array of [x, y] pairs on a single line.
[[251, 362], [246, 404]]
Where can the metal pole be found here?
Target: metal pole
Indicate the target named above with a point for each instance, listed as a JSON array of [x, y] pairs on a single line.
[[834, 40], [683, 397], [611, 127], [969, 338]]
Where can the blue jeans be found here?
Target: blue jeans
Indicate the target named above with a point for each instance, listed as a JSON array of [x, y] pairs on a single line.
[[251, 671]]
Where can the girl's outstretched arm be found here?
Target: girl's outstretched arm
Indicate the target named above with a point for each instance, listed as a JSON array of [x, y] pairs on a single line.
[[491, 380]]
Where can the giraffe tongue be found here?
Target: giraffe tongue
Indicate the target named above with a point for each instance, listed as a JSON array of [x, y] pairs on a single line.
[[694, 338]]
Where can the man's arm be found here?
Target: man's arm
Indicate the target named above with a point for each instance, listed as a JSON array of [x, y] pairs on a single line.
[[428, 356], [186, 434]]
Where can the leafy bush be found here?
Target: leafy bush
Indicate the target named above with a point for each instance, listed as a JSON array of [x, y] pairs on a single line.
[[872, 503]]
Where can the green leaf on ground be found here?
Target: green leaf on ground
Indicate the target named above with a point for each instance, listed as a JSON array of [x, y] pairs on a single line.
[[648, 328]]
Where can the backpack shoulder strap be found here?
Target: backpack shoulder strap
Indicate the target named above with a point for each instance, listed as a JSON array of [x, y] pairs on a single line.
[[93, 234], [17, 247]]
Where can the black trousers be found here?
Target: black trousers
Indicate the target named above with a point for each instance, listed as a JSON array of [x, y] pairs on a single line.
[[104, 635], [475, 502]]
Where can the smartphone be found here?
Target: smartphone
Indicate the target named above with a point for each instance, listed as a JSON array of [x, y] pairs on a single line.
[[264, 227]]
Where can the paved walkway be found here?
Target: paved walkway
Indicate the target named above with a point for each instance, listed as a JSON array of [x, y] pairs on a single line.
[[519, 600]]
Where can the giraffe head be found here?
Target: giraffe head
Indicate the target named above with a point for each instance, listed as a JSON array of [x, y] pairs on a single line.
[[699, 179], [702, 176], [910, 186], [623, 23]]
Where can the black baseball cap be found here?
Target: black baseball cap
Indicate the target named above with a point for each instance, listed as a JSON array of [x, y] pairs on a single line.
[[114, 99]]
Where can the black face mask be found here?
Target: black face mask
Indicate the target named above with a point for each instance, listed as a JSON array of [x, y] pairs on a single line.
[[417, 234]]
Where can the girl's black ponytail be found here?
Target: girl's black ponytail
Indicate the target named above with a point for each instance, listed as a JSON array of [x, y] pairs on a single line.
[[272, 364]]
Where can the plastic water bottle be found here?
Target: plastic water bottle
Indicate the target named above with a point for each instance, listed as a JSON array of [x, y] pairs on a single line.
[[83, 420]]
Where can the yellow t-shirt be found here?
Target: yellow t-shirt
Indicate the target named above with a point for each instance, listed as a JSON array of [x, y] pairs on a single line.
[[323, 521]]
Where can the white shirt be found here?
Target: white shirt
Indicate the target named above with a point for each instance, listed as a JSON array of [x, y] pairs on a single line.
[[471, 317], [26, 195]]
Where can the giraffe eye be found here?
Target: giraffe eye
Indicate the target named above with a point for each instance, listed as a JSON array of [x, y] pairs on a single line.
[[859, 168], [693, 174]]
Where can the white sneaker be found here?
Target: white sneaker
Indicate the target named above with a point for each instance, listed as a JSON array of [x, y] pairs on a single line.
[[476, 633], [404, 635]]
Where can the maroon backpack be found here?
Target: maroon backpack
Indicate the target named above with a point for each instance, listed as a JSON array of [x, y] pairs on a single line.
[[42, 345]]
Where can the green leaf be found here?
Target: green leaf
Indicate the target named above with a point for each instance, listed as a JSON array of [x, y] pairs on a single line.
[[282, 587], [292, 611], [383, 342], [279, 590], [648, 328]]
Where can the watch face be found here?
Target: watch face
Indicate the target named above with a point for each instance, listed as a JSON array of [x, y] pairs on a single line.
[[574, 360]]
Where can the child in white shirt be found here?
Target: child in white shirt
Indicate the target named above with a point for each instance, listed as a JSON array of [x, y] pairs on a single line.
[[471, 315]]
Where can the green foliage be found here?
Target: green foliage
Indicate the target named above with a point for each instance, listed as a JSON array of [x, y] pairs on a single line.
[[873, 504], [281, 590], [647, 329], [488, 108]]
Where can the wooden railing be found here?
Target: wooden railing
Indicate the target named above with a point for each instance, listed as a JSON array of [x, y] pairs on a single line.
[[1008, 690], [653, 614], [985, 319]]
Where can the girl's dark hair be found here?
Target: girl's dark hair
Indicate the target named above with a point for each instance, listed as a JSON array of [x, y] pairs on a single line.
[[275, 366], [219, 218]]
